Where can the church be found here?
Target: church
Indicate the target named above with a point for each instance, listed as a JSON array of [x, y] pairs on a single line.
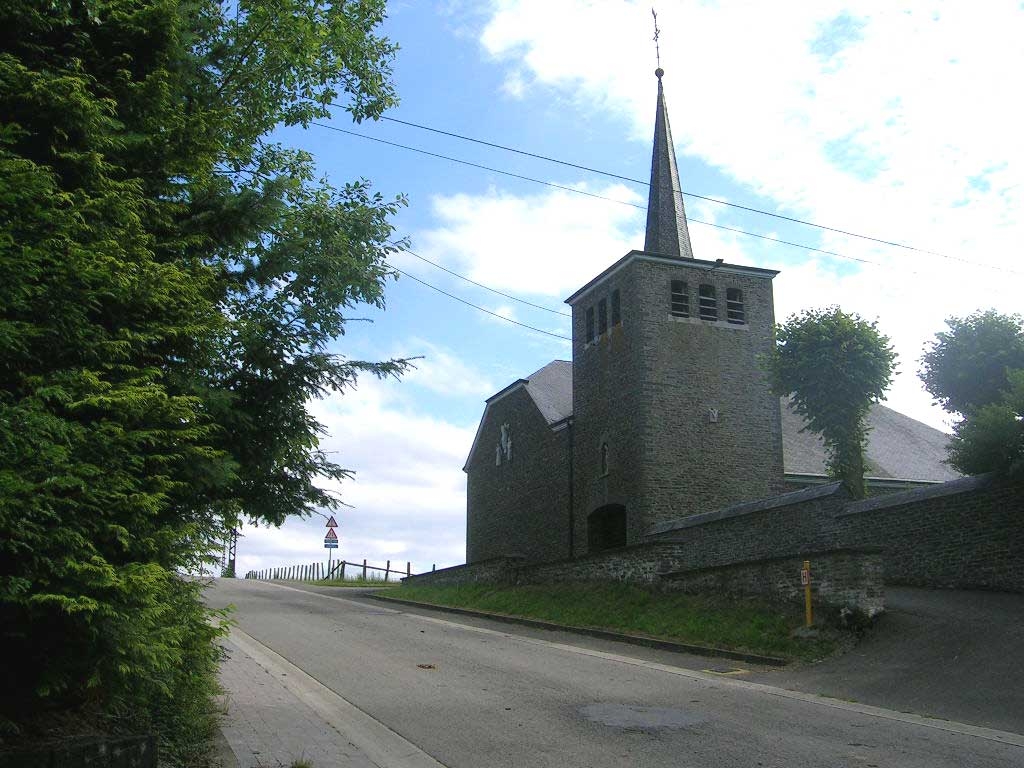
[[663, 412]]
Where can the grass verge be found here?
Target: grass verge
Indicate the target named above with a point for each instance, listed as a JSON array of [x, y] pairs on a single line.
[[375, 583], [735, 624]]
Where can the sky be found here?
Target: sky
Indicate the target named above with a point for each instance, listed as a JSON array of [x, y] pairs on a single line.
[[896, 120]]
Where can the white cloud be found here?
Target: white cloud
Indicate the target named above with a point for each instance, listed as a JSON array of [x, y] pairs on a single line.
[[906, 127], [896, 120], [440, 370], [546, 244], [408, 496]]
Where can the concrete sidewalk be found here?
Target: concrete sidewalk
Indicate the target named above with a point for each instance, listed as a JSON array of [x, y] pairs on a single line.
[[269, 726]]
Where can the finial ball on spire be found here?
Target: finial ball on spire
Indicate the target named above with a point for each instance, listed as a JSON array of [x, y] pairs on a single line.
[[659, 72]]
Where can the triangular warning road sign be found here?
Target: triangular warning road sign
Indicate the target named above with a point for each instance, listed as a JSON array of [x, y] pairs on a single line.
[[331, 534], [331, 523]]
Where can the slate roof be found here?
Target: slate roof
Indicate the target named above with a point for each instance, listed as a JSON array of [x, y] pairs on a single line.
[[899, 447], [551, 390], [667, 232]]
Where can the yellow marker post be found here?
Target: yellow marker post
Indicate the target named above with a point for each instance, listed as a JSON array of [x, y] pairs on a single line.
[[805, 579]]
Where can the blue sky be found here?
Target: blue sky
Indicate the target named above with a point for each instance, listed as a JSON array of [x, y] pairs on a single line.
[[891, 119]]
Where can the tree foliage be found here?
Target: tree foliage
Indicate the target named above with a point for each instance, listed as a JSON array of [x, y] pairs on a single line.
[[834, 365], [966, 367], [975, 369], [991, 438], [171, 282]]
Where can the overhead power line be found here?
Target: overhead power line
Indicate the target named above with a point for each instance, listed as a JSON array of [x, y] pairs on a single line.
[[694, 195], [481, 285], [588, 194], [476, 306]]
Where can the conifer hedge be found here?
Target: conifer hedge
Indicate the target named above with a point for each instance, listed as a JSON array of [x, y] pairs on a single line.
[[171, 282]]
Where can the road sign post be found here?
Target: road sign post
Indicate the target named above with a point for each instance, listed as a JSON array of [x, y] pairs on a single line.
[[805, 579], [330, 540]]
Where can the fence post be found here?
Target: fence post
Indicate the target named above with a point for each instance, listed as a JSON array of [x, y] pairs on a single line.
[[342, 570], [364, 569], [387, 571], [408, 569]]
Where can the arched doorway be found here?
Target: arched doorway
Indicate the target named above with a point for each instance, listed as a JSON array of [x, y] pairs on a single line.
[[606, 528]]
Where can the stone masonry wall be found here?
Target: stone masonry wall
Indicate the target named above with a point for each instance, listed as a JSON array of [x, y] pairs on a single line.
[[606, 408], [790, 524], [965, 534], [522, 506], [499, 571], [635, 564], [839, 578], [692, 367]]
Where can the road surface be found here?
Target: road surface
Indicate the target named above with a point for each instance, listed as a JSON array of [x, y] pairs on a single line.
[[470, 695]]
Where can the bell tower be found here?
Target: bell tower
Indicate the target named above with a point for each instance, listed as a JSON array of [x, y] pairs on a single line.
[[672, 414]]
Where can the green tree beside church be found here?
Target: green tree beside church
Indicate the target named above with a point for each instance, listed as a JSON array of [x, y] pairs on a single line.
[[170, 281], [834, 366], [975, 369]]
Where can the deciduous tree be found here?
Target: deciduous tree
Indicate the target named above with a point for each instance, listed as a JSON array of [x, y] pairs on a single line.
[[834, 365], [991, 438], [975, 369], [966, 366], [171, 283]]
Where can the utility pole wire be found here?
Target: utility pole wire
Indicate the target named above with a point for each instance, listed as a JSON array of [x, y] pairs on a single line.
[[590, 194], [693, 195], [475, 306], [481, 285]]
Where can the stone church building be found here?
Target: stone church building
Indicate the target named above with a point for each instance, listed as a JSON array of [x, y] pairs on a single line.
[[663, 412]]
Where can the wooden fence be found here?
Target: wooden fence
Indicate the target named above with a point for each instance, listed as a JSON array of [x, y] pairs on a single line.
[[338, 569]]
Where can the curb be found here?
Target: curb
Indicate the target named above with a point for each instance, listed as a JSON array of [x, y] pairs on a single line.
[[604, 634], [221, 752]]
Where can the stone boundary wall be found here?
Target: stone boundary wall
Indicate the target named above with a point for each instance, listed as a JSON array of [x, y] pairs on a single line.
[[850, 578], [789, 525], [635, 564], [964, 534], [500, 571]]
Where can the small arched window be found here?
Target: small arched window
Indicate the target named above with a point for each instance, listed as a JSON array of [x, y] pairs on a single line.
[[679, 305], [708, 302], [734, 306]]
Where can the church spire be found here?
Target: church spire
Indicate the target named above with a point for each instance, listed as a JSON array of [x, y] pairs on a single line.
[[667, 233]]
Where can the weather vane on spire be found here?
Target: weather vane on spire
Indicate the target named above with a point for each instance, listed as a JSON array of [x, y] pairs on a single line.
[[657, 50]]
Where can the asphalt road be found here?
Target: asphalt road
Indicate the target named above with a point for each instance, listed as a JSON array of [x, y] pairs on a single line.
[[949, 654], [478, 696]]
